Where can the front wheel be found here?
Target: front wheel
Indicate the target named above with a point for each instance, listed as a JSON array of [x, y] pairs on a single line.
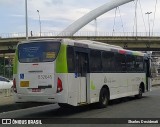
[[139, 95], [103, 98]]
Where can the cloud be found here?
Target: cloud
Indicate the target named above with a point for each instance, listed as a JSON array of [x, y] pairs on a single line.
[[58, 14], [6, 2], [57, 2], [53, 14], [10, 2], [18, 15]]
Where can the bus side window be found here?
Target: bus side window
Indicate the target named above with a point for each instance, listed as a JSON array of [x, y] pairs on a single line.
[[120, 62], [70, 59], [139, 66], [108, 61], [95, 61], [130, 63]]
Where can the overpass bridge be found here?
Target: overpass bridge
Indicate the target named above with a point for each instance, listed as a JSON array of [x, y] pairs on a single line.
[[140, 43]]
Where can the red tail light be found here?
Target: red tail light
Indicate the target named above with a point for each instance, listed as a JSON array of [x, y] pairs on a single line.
[[14, 85], [59, 85]]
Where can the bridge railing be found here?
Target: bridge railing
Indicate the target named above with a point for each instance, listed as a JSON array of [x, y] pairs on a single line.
[[81, 33]]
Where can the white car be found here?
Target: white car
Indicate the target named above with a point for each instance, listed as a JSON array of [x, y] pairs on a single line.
[[5, 83]]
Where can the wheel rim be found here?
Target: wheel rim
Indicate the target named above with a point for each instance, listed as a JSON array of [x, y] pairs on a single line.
[[104, 99], [140, 92]]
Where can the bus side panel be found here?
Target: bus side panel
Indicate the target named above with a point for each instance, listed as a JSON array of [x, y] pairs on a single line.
[[134, 80], [99, 79], [74, 89], [120, 84], [96, 83]]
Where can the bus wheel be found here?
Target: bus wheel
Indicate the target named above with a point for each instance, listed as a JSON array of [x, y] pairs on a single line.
[[139, 95], [103, 99]]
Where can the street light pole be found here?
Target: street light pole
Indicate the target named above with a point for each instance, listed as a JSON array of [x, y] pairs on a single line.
[[26, 10], [39, 22], [148, 13]]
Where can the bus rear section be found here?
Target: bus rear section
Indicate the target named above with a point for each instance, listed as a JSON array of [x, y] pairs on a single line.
[[34, 71]]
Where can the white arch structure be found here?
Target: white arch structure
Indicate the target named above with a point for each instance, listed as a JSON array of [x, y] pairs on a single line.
[[81, 22]]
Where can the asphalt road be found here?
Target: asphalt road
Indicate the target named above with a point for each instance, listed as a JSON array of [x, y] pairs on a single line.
[[147, 107]]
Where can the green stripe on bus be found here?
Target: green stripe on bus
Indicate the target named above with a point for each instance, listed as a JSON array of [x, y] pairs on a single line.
[[15, 63], [93, 86], [61, 61]]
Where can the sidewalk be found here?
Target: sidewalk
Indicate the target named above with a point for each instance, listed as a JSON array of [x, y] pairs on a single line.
[[6, 100], [6, 97]]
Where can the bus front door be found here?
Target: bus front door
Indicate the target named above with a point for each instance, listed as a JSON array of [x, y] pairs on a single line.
[[82, 70], [148, 74]]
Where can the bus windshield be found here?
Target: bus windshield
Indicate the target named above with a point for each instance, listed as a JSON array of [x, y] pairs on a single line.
[[43, 51]]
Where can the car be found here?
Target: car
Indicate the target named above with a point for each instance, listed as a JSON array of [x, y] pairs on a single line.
[[5, 83]]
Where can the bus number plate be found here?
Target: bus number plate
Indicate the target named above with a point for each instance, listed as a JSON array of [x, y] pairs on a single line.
[[44, 76]]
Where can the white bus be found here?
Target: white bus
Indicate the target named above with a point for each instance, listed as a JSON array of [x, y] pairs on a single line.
[[78, 72]]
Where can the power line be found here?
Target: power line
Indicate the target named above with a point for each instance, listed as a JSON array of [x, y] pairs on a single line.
[[142, 16], [121, 19], [154, 16], [114, 20], [135, 17]]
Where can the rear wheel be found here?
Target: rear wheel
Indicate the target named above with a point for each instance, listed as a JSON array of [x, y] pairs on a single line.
[[139, 95], [103, 98]]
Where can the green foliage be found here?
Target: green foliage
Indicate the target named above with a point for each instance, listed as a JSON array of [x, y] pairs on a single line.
[[6, 69]]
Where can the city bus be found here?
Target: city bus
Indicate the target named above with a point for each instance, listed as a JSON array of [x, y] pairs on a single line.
[[78, 72]]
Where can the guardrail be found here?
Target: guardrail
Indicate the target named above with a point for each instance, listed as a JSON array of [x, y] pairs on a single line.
[[80, 33]]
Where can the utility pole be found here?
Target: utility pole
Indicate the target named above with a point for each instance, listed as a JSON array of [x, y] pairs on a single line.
[[26, 10], [148, 13], [39, 22]]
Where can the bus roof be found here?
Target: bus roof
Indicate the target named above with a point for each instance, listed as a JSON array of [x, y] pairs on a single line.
[[104, 46], [90, 44]]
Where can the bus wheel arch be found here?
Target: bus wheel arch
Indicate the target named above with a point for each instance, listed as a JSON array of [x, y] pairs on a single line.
[[141, 91], [104, 97], [108, 91]]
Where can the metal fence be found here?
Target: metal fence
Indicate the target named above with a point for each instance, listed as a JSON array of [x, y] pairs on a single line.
[[80, 33]]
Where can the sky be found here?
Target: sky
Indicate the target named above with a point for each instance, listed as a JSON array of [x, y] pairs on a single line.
[[56, 15]]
